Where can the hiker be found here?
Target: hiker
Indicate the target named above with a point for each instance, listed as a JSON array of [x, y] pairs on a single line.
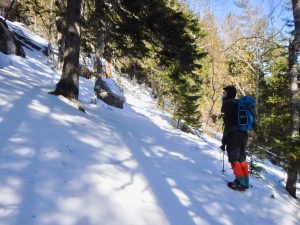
[[234, 140]]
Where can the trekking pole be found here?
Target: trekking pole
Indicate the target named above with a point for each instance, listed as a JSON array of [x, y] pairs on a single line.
[[223, 148], [223, 170]]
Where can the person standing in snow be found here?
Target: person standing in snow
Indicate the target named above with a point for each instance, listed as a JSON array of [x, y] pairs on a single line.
[[234, 140]]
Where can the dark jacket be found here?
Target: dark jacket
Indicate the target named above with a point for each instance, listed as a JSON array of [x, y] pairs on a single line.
[[229, 113]]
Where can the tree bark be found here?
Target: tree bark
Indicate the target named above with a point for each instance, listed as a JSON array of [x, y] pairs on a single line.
[[100, 10], [61, 25], [294, 163], [69, 83]]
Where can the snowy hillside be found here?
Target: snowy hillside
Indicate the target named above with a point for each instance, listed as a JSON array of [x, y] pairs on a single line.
[[109, 166]]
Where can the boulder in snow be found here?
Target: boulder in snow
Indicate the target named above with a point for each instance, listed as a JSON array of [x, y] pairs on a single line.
[[8, 42], [108, 91]]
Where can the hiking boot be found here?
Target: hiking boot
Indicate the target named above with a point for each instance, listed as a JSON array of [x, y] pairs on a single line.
[[235, 185]]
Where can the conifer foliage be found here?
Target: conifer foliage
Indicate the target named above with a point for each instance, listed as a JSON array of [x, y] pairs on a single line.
[[151, 39]]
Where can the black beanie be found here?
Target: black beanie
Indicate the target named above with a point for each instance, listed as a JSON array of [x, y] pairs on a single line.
[[231, 91]]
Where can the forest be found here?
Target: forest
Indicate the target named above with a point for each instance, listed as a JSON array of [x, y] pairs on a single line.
[[186, 57]]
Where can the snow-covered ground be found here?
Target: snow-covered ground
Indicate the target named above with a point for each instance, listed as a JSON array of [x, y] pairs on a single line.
[[109, 166]]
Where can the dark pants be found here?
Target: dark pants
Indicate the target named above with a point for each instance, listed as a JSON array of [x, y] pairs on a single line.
[[236, 146]]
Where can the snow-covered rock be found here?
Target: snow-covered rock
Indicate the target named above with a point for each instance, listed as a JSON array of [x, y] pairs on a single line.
[[108, 91]]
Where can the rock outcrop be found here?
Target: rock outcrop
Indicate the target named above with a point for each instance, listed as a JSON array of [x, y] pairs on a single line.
[[9, 44], [109, 95]]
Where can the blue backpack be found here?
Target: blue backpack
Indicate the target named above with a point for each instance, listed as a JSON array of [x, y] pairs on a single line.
[[246, 113]]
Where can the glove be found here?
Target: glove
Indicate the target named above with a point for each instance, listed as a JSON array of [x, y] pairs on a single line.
[[255, 128], [223, 147]]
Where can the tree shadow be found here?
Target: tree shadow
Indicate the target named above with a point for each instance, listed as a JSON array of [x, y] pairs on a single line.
[[74, 173]]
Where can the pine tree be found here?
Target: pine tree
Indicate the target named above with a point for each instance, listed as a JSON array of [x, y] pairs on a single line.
[[68, 84], [293, 73], [275, 100]]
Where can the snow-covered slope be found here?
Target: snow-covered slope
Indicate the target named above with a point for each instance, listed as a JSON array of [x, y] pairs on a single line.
[[108, 166]]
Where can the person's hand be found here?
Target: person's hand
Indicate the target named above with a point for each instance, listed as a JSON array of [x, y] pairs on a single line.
[[223, 147], [255, 128]]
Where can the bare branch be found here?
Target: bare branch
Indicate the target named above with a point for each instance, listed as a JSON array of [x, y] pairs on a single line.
[[254, 37], [243, 60]]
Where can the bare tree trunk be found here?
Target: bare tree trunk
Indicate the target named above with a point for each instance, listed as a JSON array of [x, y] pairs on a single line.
[[69, 82], [100, 10], [214, 96], [60, 21], [9, 9], [294, 164]]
